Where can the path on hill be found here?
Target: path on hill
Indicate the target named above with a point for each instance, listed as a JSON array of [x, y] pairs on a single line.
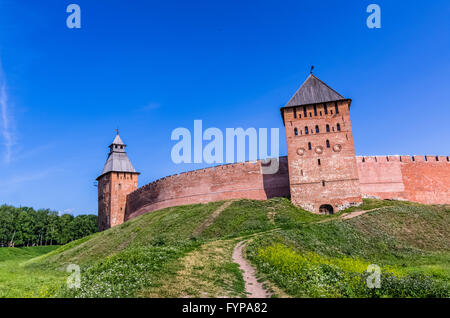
[[252, 286], [211, 218], [350, 215]]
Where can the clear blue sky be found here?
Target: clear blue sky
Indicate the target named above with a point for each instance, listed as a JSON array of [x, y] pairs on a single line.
[[149, 67]]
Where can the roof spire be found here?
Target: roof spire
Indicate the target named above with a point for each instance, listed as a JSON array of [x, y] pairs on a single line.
[[312, 67], [117, 130]]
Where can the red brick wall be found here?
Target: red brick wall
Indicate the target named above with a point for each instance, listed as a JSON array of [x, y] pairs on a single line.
[[401, 177], [386, 177], [234, 181]]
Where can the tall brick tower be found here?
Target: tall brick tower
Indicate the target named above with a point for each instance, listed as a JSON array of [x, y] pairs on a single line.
[[117, 180], [323, 173]]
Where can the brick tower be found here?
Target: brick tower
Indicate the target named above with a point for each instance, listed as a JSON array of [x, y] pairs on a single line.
[[323, 174], [117, 180]]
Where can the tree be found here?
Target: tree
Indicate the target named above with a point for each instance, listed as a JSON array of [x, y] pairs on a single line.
[[25, 226]]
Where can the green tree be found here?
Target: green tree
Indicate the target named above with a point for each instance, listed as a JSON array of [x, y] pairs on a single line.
[[25, 226]]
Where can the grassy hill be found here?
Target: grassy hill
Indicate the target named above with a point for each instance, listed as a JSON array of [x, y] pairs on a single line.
[[182, 251]]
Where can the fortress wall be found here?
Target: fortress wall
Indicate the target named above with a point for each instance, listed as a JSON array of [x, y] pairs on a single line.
[[233, 181], [427, 181], [413, 178], [424, 179]]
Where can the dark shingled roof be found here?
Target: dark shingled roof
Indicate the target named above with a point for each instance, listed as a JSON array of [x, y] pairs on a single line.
[[117, 159], [314, 91]]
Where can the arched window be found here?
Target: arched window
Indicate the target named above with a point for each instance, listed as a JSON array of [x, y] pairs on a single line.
[[296, 131], [323, 183], [328, 128], [306, 130], [328, 144], [336, 108], [318, 162], [325, 108], [309, 146], [295, 112], [317, 129], [315, 110], [338, 127], [304, 111]]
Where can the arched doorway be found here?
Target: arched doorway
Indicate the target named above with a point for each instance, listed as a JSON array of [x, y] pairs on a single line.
[[326, 209]]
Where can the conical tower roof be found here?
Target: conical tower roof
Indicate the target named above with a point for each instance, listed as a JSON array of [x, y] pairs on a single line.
[[314, 91], [118, 160]]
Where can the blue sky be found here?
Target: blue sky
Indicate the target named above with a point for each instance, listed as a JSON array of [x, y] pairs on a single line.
[[150, 67]]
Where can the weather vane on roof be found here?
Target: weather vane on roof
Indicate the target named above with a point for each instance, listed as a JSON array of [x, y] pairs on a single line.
[[312, 67], [117, 130]]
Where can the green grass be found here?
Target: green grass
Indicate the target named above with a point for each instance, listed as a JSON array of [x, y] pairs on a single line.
[[207, 271], [246, 217], [159, 228], [16, 281], [299, 253], [410, 242], [128, 272], [138, 255], [309, 274]]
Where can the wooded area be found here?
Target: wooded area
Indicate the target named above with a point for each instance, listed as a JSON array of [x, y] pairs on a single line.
[[28, 227]]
